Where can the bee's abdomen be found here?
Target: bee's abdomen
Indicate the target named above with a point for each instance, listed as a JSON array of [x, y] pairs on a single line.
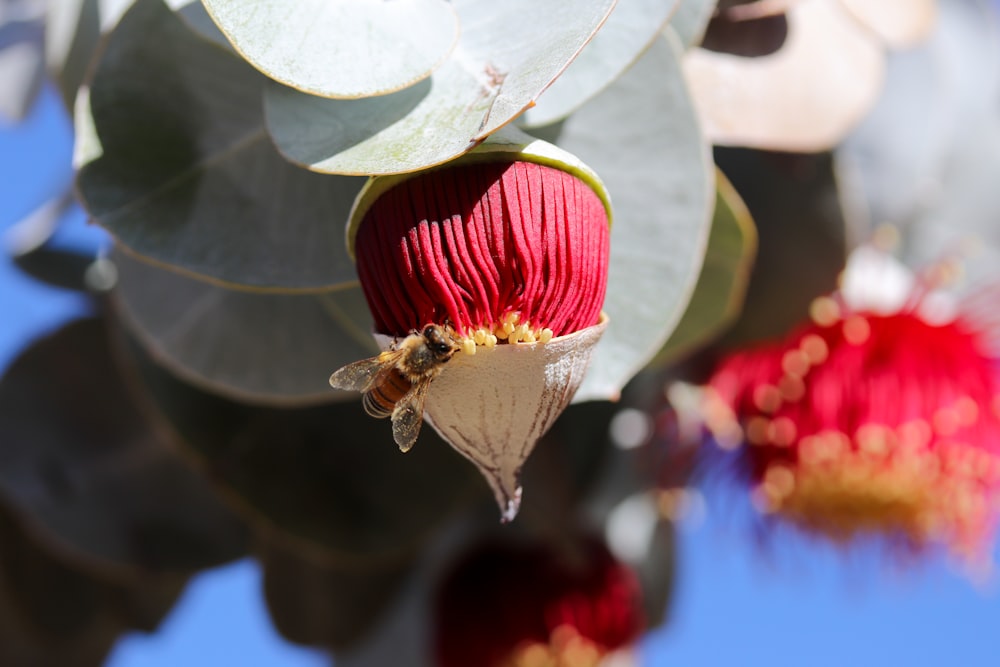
[[380, 401]]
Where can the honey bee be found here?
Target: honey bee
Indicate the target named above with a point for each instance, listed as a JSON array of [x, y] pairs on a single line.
[[395, 382]]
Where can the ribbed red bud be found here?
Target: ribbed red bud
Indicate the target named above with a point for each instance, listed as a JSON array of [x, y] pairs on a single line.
[[506, 250], [483, 245], [516, 606]]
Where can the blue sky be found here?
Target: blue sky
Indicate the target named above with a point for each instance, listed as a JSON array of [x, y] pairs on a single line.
[[733, 606]]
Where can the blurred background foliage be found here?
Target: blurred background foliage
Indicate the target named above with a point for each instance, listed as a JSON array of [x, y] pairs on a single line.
[[186, 421]]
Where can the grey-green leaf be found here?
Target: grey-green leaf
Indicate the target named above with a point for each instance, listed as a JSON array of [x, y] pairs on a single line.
[[633, 24], [326, 602], [176, 164], [691, 19], [641, 135], [718, 296], [274, 348], [507, 54], [340, 48], [54, 612], [326, 477], [86, 471], [73, 29]]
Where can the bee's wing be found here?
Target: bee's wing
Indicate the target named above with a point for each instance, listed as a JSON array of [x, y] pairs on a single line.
[[409, 415], [365, 374]]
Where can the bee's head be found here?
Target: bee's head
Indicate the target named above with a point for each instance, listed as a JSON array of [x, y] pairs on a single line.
[[438, 340]]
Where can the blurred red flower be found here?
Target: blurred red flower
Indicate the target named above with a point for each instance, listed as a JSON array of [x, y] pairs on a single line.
[[870, 420], [507, 605]]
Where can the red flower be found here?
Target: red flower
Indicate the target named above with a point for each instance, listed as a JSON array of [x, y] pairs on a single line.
[[865, 421], [507, 606], [516, 250], [509, 244]]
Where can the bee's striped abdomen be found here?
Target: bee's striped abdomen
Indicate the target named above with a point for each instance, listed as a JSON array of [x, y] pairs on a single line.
[[380, 401]]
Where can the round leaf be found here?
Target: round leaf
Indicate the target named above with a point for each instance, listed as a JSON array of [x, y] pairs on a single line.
[[691, 19], [73, 29], [322, 602], [718, 296], [641, 135], [340, 48], [54, 613], [175, 163], [83, 467], [276, 348], [330, 477], [633, 24], [508, 53], [805, 97]]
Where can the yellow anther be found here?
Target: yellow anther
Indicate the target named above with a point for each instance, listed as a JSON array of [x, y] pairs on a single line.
[[468, 346]]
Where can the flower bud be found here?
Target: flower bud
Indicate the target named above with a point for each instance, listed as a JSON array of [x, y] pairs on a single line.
[[507, 250]]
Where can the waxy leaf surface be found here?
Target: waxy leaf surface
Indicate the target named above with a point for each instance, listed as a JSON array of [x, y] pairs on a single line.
[[718, 296], [633, 24], [54, 613], [175, 163], [507, 54], [306, 474], [691, 19], [805, 97], [340, 48], [85, 470], [275, 348], [641, 135]]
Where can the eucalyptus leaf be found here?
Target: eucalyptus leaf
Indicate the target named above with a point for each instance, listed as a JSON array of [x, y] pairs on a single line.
[[641, 135], [73, 29], [691, 19], [273, 348], [175, 163], [718, 296], [507, 54], [633, 24], [805, 97], [320, 601], [53, 613], [340, 48], [330, 478], [86, 472], [61, 268]]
